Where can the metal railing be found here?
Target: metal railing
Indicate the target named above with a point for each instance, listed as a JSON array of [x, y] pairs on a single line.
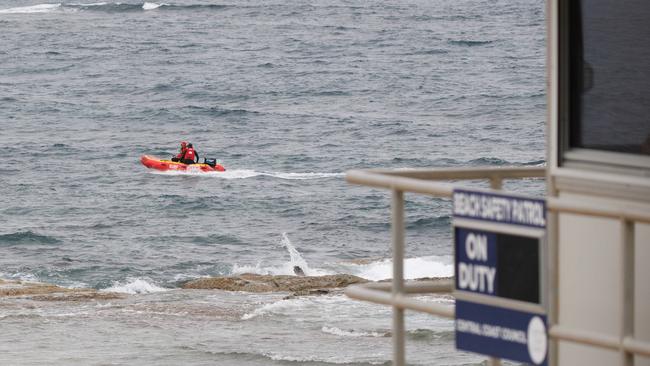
[[427, 182]]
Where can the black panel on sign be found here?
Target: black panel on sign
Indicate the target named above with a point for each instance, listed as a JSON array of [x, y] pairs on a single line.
[[518, 268]]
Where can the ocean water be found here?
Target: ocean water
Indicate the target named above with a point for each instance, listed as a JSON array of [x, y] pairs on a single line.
[[288, 95]]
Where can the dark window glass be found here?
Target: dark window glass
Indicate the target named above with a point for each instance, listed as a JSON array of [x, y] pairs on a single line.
[[609, 71]]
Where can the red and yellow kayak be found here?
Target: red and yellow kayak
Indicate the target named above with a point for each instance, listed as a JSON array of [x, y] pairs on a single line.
[[168, 165]]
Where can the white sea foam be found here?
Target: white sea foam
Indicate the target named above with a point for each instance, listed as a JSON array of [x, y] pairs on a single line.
[[75, 284], [304, 176], [413, 268], [107, 305], [282, 269], [134, 286], [27, 277], [351, 333], [237, 174], [150, 6], [180, 277], [279, 307], [279, 357], [419, 267], [248, 173], [331, 360], [91, 4], [40, 8]]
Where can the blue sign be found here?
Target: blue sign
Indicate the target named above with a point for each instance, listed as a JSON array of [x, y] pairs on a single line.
[[476, 261], [499, 208], [503, 333], [498, 253]]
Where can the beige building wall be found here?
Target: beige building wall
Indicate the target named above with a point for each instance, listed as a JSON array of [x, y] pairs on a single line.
[[585, 277], [642, 289], [589, 270], [589, 276]]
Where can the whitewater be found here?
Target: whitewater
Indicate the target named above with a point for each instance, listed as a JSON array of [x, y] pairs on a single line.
[[288, 96]]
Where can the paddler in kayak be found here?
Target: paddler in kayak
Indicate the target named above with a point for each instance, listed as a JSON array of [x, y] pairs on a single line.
[[190, 156], [181, 162], [181, 154]]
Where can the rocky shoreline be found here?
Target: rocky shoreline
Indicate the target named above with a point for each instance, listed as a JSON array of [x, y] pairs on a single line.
[[248, 282], [48, 292]]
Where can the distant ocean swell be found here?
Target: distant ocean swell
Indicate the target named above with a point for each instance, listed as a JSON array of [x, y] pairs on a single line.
[[450, 162], [26, 238], [247, 173], [422, 335], [468, 43], [267, 357], [107, 7]]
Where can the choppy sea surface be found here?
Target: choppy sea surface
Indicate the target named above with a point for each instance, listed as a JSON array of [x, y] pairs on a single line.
[[288, 95]]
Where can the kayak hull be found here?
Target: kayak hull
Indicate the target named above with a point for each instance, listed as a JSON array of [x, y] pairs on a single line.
[[168, 165]]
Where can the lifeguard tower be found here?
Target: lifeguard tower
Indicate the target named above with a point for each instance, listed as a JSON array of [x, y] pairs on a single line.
[[594, 251]]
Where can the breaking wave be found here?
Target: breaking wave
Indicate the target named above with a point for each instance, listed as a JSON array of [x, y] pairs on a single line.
[[20, 276], [353, 333], [134, 286], [287, 268], [40, 8], [279, 307], [422, 267], [382, 269], [264, 357], [290, 306], [330, 360], [428, 335], [112, 7], [151, 6]]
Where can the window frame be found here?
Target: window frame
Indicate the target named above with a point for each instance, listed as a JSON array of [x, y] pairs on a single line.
[[579, 157]]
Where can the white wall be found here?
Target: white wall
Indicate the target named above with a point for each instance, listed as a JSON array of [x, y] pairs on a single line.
[[642, 289], [589, 279]]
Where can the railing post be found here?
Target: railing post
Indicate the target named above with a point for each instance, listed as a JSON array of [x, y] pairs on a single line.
[[399, 357], [496, 182], [627, 287], [552, 283], [492, 361], [553, 274]]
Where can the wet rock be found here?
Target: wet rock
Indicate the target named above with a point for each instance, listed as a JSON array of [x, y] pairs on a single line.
[[316, 292], [22, 288], [48, 292], [267, 283], [79, 295]]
